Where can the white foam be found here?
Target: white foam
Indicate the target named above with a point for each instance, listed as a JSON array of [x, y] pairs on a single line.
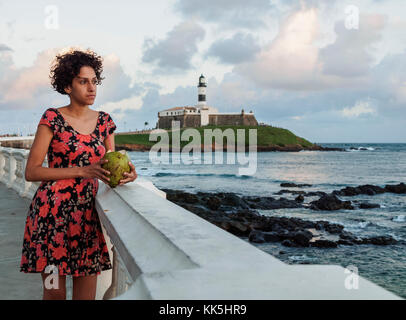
[[400, 218], [300, 258]]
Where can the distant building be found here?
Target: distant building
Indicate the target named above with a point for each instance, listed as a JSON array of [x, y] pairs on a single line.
[[202, 114]]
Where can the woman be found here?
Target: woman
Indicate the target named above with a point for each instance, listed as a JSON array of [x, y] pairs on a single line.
[[63, 231]]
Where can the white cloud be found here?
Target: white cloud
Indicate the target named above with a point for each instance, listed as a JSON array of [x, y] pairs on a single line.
[[28, 81], [360, 108], [291, 59], [176, 50], [131, 103]]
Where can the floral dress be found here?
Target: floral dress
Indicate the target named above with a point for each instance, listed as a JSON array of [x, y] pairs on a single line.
[[62, 228]]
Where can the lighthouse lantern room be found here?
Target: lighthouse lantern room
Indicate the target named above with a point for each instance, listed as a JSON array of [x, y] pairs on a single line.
[[201, 91]]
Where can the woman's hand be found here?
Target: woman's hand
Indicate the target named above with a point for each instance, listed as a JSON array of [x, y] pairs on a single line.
[[129, 177], [96, 171]]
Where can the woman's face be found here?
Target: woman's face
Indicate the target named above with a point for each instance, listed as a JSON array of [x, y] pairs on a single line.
[[84, 87]]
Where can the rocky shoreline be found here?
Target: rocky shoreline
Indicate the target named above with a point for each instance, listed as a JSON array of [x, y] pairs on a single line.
[[239, 216], [286, 148]]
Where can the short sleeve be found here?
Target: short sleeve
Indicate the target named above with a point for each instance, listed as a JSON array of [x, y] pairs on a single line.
[[110, 125], [49, 118]]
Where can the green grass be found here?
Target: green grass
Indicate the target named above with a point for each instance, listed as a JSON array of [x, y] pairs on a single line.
[[266, 136]]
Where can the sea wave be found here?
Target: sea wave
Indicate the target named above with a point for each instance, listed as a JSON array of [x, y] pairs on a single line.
[[300, 258], [361, 149], [400, 218], [222, 175]]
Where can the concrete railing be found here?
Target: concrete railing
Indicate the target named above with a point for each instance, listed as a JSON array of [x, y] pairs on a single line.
[[162, 251]]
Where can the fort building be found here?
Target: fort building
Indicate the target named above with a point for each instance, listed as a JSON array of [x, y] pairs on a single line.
[[202, 114]]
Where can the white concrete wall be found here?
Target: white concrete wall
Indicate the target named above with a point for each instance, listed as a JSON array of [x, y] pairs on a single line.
[[171, 253], [204, 117], [162, 251]]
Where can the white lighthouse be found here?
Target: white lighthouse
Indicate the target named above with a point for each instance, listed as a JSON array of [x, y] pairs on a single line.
[[201, 91]]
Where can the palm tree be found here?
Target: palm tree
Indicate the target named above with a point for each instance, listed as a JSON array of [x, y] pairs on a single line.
[[145, 124]]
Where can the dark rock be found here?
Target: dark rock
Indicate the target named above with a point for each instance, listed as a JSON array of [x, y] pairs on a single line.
[[316, 193], [397, 188], [290, 191], [330, 202], [256, 236], [334, 228], [231, 199], [269, 203], [380, 240], [370, 190], [237, 228], [302, 237], [294, 185], [271, 236], [369, 205], [284, 235], [288, 243], [347, 191], [345, 242], [299, 198], [213, 203], [345, 235], [323, 243], [180, 196]]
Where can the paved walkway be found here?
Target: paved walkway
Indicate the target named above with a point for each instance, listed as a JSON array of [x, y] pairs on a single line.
[[16, 285], [13, 283]]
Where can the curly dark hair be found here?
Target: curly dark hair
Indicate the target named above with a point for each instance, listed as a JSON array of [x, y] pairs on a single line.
[[67, 65]]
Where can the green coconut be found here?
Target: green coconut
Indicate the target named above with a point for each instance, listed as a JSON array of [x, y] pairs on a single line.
[[117, 164]]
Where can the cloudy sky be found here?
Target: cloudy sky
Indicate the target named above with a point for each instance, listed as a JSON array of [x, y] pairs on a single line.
[[329, 71]]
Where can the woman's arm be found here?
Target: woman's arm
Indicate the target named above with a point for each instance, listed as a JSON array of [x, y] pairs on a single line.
[[34, 171], [109, 143]]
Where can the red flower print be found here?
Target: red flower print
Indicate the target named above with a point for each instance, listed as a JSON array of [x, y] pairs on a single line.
[[27, 236], [77, 216], [44, 210], [74, 155], [61, 147], [74, 229], [57, 161], [59, 252], [62, 184], [41, 263], [23, 259], [51, 115], [39, 251], [74, 244], [43, 196], [88, 215], [65, 183], [88, 228], [83, 138], [59, 238], [54, 211], [65, 136], [65, 196], [101, 150], [35, 223], [91, 250]]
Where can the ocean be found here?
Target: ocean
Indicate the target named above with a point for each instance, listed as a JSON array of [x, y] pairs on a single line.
[[363, 163]]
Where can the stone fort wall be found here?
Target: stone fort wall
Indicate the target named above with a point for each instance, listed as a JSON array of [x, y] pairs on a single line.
[[232, 119], [193, 120]]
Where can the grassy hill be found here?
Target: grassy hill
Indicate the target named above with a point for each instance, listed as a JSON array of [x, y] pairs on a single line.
[[266, 136]]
